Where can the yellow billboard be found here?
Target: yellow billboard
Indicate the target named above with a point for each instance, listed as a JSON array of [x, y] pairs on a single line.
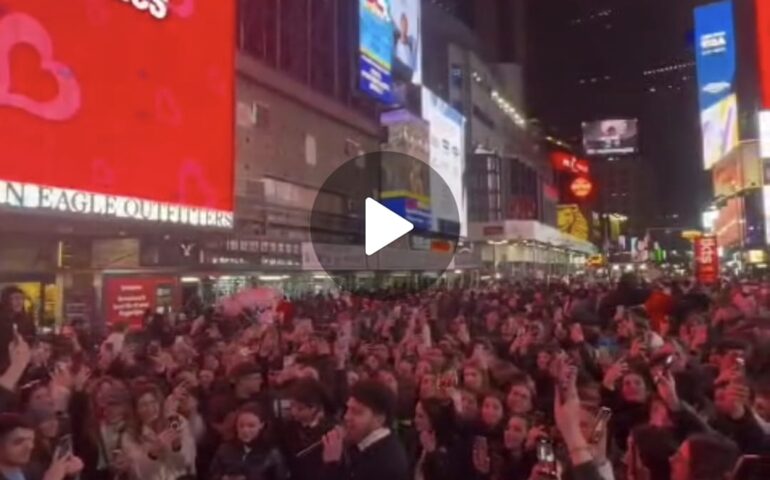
[[572, 221]]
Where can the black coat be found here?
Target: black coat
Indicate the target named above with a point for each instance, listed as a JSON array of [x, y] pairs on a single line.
[[296, 438], [258, 461], [384, 460]]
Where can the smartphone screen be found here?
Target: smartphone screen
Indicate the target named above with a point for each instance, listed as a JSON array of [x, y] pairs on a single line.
[[602, 418], [545, 452], [64, 446], [547, 457]]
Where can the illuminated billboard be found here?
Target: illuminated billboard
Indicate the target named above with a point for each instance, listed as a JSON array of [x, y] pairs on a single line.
[[571, 221], [611, 137], [116, 109], [390, 46], [764, 133], [739, 170], [763, 45], [716, 68], [447, 157]]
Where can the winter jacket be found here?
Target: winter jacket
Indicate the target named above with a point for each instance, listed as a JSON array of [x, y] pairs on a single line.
[[255, 461]]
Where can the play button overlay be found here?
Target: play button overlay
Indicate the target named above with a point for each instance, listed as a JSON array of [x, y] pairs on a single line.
[[383, 227], [381, 220]]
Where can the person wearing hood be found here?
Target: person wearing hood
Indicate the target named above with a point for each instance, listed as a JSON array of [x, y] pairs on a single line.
[[251, 455]]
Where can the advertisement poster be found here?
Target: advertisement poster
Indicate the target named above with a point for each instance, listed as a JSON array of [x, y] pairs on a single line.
[[729, 225], [447, 156], [706, 260], [390, 47], [716, 68], [127, 299], [764, 132], [572, 221], [107, 109], [611, 137], [740, 170]]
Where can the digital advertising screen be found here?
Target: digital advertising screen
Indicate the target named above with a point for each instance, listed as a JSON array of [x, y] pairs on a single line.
[[570, 220], [764, 133], [118, 109], [716, 69], [390, 48], [611, 137], [763, 45], [405, 186], [447, 156]]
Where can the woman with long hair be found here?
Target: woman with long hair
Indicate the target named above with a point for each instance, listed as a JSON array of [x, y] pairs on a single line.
[[99, 416], [436, 425], [158, 444], [251, 455]]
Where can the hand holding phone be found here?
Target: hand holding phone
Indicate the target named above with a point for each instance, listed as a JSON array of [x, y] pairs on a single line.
[[546, 459], [599, 428], [63, 447]]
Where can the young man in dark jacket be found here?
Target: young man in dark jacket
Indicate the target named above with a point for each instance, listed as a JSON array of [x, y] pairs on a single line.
[[308, 424], [373, 452]]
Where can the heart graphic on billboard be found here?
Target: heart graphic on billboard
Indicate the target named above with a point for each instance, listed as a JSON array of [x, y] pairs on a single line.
[[194, 188], [17, 29]]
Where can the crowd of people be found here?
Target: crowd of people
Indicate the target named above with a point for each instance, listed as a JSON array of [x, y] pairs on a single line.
[[510, 381]]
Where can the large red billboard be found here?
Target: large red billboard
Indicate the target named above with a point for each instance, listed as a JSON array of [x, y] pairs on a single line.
[[763, 41], [118, 108]]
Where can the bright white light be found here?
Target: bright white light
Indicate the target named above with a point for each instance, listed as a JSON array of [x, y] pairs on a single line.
[[273, 278]]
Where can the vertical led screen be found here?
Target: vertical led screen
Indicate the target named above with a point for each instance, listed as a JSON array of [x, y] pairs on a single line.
[[447, 157], [390, 47], [716, 67]]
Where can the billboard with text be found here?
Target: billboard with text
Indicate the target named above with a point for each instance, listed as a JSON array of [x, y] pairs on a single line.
[[716, 68], [390, 47], [447, 157], [117, 109]]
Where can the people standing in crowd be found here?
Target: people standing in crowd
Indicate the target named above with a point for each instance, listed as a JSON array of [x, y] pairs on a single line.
[[504, 381]]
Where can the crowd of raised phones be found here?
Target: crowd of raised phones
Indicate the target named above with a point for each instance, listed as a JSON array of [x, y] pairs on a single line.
[[509, 381]]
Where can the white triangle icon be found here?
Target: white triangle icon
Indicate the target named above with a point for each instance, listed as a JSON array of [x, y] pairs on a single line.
[[383, 226]]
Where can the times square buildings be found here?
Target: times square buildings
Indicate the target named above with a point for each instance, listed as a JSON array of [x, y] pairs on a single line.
[[152, 182]]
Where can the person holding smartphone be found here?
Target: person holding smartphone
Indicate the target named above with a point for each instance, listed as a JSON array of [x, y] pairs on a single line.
[[50, 441], [158, 443]]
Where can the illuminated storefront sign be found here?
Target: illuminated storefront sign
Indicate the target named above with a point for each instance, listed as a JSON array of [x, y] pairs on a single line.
[[581, 187]]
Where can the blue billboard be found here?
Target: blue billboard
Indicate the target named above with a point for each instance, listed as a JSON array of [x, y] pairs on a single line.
[[376, 45], [417, 212], [716, 68], [390, 48]]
